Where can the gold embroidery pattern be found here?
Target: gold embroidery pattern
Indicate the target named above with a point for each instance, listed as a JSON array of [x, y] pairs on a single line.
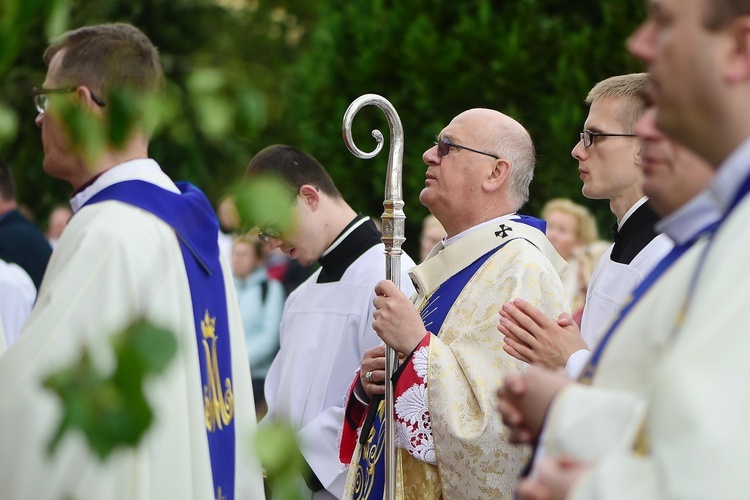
[[366, 478], [466, 365], [218, 408]]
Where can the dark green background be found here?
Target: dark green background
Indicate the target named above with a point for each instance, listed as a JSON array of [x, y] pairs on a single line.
[[247, 74]]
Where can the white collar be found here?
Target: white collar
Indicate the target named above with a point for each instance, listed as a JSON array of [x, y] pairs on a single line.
[[449, 241], [695, 215], [631, 211], [341, 238], [144, 169], [730, 175]]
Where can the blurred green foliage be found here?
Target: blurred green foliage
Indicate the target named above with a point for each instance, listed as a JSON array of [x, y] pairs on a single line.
[[110, 409], [244, 74], [284, 466], [532, 59]]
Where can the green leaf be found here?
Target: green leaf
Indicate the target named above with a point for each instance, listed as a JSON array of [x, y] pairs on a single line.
[[111, 411], [263, 199], [205, 81], [278, 450], [8, 123], [58, 18]]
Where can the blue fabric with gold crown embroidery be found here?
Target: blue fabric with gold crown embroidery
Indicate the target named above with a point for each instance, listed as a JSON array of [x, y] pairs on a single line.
[[433, 312], [191, 216]]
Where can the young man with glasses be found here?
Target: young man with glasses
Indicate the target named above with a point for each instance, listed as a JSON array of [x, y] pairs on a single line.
[[605, 410], [327, 321], [692, 440], [450, 439], [138, 247], [610, 164]]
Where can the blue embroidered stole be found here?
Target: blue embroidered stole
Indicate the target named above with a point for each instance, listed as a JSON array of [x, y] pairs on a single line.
[[370, 483], [191, 216]]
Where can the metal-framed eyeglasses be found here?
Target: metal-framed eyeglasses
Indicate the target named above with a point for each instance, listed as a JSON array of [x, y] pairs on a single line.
[[270, 230], [444, 147], [41, 97], [588, 137]]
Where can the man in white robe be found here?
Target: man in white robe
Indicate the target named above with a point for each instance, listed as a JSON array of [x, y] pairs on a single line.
[[586, 421], [610, 160], [120, 261], [450, 440], [327, 321], [693, 440]]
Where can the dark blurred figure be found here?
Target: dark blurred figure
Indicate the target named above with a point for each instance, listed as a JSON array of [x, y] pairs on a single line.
[[21, 242]]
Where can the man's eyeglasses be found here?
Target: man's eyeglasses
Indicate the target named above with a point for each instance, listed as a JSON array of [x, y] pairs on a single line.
[[444, 147], [269, 230], [41, 98], [587, 136]]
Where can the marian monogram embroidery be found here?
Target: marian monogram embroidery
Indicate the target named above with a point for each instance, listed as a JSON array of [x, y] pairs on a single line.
[[218, 406]]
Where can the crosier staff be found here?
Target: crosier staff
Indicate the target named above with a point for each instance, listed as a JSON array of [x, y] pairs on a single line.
[[393, 219]]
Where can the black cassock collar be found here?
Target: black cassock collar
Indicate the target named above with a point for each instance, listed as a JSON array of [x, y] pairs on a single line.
[[635, 234], [338, 260]]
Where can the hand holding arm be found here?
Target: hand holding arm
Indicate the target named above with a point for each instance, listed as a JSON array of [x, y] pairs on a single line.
[[535, 339]]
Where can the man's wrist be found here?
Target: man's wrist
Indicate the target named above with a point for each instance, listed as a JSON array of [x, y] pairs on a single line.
[[360, 395]]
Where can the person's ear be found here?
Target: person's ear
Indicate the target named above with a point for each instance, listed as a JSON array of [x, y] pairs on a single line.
[[639, 156], [738, 57], [85, 98], [497, 176], [310, 196]]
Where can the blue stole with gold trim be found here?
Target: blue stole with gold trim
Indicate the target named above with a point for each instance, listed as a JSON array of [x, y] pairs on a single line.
[[191, 216], [433, 311]]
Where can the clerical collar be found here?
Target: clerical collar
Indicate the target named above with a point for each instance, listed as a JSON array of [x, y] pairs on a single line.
[[631, 211], [449, 241], [357, 237], [691, 218], [144, 169], [730, 175], [633, 236]]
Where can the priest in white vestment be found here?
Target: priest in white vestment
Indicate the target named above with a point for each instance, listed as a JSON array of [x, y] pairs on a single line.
[[127, 256], [692, 441]]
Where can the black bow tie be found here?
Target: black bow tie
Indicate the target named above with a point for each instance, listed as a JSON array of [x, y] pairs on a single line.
[[615, 233]]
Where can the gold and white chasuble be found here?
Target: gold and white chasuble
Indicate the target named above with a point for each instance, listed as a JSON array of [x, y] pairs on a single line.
[[465, 363]]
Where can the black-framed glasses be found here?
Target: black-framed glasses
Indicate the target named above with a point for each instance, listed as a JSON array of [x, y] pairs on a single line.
[[588, 137], [41, 98], [269, 230], [444, 147]]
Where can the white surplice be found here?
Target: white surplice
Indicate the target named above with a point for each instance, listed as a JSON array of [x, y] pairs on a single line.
[[325, 331], [117, 263]]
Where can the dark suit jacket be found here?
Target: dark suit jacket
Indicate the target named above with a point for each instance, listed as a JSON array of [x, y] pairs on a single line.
[[22, 243]]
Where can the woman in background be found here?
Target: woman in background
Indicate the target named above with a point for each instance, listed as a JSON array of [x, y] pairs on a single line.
[[571, 229], [261, 302]]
